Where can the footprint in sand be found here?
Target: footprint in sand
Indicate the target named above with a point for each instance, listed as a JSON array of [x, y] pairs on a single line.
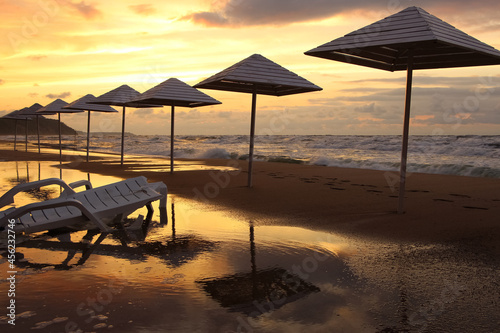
[[337, 188], [459, 195], [309, 180], [472, 207]]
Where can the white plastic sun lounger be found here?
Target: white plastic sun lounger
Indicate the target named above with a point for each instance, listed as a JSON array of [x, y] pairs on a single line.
[[100, 206]]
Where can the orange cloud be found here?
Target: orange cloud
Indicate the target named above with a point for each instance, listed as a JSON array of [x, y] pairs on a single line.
[[424, 117], [61, 95], [143, 9], [89, 11]]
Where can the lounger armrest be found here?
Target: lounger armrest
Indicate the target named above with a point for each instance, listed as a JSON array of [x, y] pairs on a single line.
[[80, 183], [17, 213], [161, 188], [8, 197]]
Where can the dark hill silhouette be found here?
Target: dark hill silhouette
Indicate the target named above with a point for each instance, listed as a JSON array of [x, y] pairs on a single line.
[[47, 127]]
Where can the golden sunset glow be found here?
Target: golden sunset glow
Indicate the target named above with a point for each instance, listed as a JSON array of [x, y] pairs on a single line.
[[67, 49]]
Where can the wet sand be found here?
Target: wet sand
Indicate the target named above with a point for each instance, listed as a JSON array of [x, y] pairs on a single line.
[[435, 268]]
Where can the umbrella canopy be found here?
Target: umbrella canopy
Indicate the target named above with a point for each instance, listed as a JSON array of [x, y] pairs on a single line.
[[57, 106], [86, 103], [122, 96], [408, 40], [174, 92], [257, 75]]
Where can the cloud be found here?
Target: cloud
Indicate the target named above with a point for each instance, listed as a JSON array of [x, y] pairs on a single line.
[[143, 9], [2, 82], [37, 57], [262, 12], [237, 13], [61, 95], [208, 19], [191, 114], [224, 114], [89, 11], [33, 95]]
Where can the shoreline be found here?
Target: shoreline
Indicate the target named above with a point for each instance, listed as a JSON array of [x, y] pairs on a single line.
[[357, 202]]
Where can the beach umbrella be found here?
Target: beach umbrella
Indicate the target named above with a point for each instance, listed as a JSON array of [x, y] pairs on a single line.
[[122, 96], [174, 92], [85, 103], [31, 111], [25, 114], [408, 40], [57, 106], [15, 116], [257, 75]]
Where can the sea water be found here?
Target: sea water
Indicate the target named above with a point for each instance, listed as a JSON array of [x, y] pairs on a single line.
[[468, 155]]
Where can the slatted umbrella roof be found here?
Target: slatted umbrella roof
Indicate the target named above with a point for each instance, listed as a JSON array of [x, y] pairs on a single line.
[[15, 115], [119, 96], [31, 110], [86, 103], [56, 106], [24, 113], [384, 44], [174, 92], [260, 75], [122, 96]]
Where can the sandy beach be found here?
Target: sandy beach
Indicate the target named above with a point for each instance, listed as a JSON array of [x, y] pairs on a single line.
[[432, 269]]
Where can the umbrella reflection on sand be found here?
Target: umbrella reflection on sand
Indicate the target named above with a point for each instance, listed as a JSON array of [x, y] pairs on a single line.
[[408, 40], [257, 291]]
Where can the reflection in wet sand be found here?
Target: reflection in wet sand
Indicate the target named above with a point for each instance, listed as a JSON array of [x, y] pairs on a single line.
[[258, 291]]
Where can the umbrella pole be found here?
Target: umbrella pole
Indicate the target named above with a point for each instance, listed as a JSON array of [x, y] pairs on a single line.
[[172, 140], [38, 131], [26, 131], [60, 144], [88, 135], [406, 128], [252, 135], [123, 135]]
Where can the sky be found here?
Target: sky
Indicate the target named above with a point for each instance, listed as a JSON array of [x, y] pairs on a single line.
[[66, 49]]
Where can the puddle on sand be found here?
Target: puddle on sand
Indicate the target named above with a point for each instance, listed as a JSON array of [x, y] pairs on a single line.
[[206, 271]]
